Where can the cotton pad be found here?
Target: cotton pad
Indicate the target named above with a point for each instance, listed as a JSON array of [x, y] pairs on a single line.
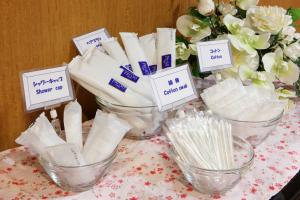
[[232, 100]]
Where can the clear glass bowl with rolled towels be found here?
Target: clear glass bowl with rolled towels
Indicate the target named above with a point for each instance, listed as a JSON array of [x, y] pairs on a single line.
[[146, 122], [253, 112], [210, 158]]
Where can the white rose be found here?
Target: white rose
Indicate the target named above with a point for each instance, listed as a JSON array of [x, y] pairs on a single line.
[[293, 51], [206, 7], [288, 34], [227, 8], [270, 19], [297, 36], [246, 4], [289, 31]]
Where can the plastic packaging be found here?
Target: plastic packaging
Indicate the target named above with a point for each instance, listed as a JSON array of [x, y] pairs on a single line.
[[105, 135], [73, 123], [232, 100], [55, 122], [139, 84], [68, 155], [148, 43], [114, 49], [166, 51], [40, 135], [98, 78], [135, 53]]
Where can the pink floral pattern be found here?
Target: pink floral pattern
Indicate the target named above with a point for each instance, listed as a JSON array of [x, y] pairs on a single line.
[[143, 170]]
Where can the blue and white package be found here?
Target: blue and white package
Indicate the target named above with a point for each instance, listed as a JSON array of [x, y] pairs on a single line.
[[114, 49], [166, 54], [148, 43], [139, 84], [136, 54], [92, 70]]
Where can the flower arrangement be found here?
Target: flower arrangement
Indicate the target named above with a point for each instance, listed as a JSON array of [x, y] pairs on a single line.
[[264, 41]]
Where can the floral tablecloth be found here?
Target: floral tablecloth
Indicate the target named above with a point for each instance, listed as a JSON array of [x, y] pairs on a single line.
[[143, 170]]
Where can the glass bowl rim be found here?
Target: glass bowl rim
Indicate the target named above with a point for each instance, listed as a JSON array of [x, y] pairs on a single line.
[[278, 117], [244, 166], [99, 100], [111, 157]]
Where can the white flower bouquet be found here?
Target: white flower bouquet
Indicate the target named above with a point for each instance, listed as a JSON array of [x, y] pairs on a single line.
[[264, 42]]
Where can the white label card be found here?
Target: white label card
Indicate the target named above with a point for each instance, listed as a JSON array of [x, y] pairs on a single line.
[[44, 88], [91, 39], [173, 87], [214, 55]]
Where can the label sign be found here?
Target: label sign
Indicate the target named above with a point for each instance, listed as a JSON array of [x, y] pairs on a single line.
[[173, 87], [44, 88], [91, 39], [214, 55]]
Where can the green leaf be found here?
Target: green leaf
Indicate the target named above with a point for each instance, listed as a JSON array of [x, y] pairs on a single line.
[[180, 62], [297, 84], [297, 62], [194, 12], [297, 87], [241, 13], [180, 38], [194, 65], [295, 13]]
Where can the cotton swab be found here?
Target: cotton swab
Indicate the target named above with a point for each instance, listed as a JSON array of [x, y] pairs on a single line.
[[202, 141]]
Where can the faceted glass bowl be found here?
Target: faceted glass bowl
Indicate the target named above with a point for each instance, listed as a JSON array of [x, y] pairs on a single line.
[[146, 121], [218, 181], [78, 178]]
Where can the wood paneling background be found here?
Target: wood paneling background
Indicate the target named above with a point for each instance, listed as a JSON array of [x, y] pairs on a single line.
[[37, 33]]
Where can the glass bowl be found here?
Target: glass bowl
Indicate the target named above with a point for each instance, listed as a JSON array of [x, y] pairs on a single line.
[[218, 181], [77, 178], [255, 132], [146, 121]]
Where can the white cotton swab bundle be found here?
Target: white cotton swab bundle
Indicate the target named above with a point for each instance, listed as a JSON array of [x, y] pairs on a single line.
[[202, 141]]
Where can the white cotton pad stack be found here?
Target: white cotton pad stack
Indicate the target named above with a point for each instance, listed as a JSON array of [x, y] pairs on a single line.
[[105, 135], [101, 72], [202, 141], [230, 99]]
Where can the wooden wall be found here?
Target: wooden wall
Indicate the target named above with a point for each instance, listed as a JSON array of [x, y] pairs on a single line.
[[37, 33]]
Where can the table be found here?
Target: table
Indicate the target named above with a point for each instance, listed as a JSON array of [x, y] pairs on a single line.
[[143, 170]]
